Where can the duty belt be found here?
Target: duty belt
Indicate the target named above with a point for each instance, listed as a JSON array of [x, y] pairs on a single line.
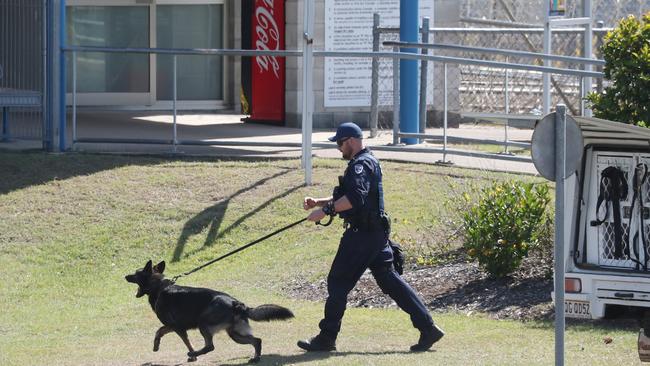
[[363, 225]]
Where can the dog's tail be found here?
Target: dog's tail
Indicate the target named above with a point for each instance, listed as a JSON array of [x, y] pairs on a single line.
[[268, 312]]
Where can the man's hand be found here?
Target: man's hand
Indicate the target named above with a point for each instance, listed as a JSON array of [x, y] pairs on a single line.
[[309, 203], [316, 215]]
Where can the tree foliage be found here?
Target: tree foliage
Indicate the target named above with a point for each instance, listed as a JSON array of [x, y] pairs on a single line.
[[626, 51]]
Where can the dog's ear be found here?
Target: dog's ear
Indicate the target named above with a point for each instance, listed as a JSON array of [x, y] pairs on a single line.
[[147, 267], [160, 267]]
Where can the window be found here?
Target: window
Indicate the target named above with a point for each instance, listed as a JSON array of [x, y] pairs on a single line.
[[199, 77], [142, 79], [109, 26]]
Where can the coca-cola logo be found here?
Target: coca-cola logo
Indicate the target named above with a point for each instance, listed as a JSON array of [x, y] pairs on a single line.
[[268, 36]]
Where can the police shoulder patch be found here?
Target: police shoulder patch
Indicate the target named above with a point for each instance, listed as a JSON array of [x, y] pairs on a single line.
[[358, 168]]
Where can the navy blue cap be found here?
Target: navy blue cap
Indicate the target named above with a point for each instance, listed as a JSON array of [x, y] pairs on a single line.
[[347, 129]]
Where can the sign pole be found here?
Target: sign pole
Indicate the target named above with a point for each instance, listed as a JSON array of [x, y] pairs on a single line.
[[556, 149], [560, 172], [307, 89], [546, 77]]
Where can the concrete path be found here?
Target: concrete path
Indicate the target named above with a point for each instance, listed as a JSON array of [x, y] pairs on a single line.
[[229, 128]]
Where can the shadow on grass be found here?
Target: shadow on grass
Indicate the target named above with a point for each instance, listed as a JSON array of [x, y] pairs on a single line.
[[276, 359], [25, 169], [213, 217], [20, 170], [625, 323], [613, 324]]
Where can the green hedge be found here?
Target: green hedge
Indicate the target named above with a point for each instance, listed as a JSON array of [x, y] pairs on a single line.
[[505, 223]]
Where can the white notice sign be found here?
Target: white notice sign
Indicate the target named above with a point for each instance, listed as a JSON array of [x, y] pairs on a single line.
[[348, 27]]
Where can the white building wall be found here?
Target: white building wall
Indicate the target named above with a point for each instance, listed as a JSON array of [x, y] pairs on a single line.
[[447, 13]]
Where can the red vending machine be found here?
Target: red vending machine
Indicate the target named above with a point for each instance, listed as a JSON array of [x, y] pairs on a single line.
[[263, 77]]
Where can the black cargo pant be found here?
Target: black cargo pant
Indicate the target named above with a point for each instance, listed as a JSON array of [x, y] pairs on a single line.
[[359, 250]]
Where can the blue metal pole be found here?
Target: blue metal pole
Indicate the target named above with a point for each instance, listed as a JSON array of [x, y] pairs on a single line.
[[62, 88], [408, 32]]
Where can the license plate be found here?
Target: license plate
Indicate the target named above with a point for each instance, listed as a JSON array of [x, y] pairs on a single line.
[[577, 309]]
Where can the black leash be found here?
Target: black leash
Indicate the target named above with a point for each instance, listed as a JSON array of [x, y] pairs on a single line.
[[640, 176], [245, 246]]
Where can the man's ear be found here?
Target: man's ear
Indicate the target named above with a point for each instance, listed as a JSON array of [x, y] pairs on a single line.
[[147, 267], [160, 267]]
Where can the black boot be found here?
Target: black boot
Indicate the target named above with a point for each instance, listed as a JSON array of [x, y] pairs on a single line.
[[318, 343], [427, 339]]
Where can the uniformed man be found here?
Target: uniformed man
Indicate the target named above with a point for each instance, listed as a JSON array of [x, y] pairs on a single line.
[[359, 200]]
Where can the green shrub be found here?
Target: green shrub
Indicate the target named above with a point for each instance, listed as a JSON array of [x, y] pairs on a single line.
[[505, 223], [626, 51]]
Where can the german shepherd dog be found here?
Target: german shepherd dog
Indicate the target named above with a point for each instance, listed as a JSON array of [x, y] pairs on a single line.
[[180, 308]]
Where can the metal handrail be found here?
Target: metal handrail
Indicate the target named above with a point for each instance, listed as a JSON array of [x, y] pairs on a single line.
[[460, 139], [185, 51], [389, 55], [500, 23], [459, 60], [497, 51], [396, 55], [499, 30]]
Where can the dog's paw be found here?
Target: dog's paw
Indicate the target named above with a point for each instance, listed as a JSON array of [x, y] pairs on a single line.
[[254, 360], [156, 348], [191, 356]]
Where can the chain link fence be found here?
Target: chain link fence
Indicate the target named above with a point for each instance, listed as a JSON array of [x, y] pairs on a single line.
[[476, 90], [480, 89], [610, 12], [21, 65]]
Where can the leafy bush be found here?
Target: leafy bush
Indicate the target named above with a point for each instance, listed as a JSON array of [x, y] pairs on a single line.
[[507, 221], [626, 51]]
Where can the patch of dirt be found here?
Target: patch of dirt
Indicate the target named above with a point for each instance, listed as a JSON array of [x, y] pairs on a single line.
[[458, 285]]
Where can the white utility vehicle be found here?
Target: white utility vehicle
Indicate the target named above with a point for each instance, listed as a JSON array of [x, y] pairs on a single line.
[[607, 223]]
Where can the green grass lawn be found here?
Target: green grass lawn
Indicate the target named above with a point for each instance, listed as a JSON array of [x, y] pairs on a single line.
[[72, 225]]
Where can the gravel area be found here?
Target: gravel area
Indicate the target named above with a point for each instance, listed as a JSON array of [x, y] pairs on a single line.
[[458, 285]]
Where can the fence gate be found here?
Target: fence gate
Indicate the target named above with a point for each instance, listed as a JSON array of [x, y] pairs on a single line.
[[22, 76]]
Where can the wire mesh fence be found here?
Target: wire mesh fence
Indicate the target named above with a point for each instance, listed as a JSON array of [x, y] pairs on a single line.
[[482, 89], [21, 62], [530, 11]]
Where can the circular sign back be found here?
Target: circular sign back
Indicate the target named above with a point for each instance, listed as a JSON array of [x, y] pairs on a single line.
[[543, 147]]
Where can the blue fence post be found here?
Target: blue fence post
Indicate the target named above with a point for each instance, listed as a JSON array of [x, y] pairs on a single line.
[[408, 32]]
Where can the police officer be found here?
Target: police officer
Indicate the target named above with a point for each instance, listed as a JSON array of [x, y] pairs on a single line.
[[359, 200]]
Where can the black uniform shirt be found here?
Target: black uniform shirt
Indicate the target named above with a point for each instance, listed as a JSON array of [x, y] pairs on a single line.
[[360, 184]]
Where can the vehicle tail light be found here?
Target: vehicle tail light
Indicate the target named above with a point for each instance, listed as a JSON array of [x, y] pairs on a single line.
[[572, 285]]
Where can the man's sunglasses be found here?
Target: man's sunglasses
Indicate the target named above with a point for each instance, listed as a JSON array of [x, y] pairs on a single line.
[[341, 141]]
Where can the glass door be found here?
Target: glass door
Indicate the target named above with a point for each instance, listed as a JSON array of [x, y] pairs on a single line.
[[110, 78], [199, 77], [129, 79]]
